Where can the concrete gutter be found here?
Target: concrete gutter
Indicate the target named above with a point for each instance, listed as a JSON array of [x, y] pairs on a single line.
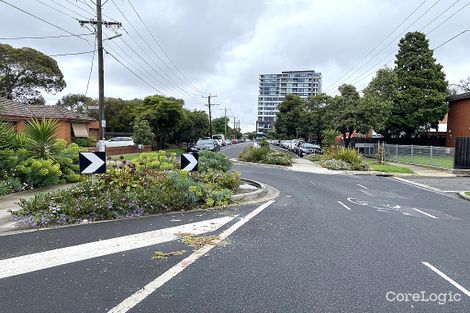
[[261, 192], [464, 196]]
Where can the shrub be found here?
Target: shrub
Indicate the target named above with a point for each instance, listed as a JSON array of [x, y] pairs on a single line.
[[337, 165], [39, 172], [255, 155], [228, 180], [213, 161], [330, 138], [10, 184], [155, 160], [8, 161], [84, 142], [314, 157], [344, 154], [278, 158], [264, 143], [68, 158], [143, 134]]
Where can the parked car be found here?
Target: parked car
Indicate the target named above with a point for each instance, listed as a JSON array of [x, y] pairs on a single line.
[[306, 148], [220, 139], [191, 143], [292, 144], [119, 142], [205, 144], [228, 142], [284, 143]]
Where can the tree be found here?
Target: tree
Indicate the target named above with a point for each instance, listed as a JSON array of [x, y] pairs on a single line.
[[462, 87], [194, 125], [378, 99], [40, 136], [143, 134], [318, 117], [76, 102], [165, 116], [348, 114], [287, 119], [25, 70], [119, 114], [422, 89], [218, 126]]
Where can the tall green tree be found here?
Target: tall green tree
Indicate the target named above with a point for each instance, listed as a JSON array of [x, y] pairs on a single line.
[[347, 112], [119, 114], [194, 125], [318, 117], [290, 112], [165, 115], [76, 102], [378, 99], [422, 88], [25, 71], [143, 134], [218, 126]]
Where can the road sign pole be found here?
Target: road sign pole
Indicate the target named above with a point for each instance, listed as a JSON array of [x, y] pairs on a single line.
[[93, 179]]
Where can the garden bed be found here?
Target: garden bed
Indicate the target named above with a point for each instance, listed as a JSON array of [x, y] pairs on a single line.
[[265, 155], [153, 184]]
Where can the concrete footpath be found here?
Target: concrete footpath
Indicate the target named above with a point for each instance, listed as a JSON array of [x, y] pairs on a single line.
[[10, 202]]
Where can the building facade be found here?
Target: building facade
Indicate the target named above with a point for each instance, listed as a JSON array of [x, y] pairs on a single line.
[[458, 120], [273, 88]]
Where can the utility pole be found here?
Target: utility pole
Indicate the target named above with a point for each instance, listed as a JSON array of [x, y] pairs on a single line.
[[210, 114], [234, 127], [225, 121], [99, 38]]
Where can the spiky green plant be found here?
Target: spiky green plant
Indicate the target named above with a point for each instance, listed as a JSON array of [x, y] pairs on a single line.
[[40, 135], [7, 136]]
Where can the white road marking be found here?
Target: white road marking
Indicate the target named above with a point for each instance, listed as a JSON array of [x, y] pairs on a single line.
[[366, 192], [344, 205], [362, 186], [148, 289], [427, 214], [450, 280], [51, 258]]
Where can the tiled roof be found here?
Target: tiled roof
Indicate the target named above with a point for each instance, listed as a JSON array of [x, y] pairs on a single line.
[[12, 109], [462, 96]]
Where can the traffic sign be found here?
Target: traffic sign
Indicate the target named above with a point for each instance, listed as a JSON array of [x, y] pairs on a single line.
[[189, 161], [92, 162]]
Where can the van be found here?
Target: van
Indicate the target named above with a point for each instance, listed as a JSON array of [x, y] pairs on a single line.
[[220, 139]]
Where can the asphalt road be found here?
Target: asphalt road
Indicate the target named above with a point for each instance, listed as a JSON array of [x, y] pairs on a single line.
[[328, 243]]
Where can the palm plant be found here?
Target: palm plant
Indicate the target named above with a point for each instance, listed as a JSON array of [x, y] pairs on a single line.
[[40, 135], [7, 136]]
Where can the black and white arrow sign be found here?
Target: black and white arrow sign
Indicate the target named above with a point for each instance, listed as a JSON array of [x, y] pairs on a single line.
[[189, 161], [92, 162]]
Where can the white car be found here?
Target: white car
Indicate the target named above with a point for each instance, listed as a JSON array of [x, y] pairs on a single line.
[[119, 142]]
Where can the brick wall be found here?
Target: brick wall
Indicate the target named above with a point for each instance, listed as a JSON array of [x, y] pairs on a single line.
[[64, 131], [458, 123]]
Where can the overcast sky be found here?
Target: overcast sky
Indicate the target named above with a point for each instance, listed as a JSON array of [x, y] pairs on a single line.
[[222, 46]]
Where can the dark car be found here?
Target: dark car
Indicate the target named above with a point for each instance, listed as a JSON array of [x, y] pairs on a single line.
[[306, 148], [205, 144], [191, 143]]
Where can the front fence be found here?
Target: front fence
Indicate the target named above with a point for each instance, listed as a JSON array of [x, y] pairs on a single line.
[[441, 157]]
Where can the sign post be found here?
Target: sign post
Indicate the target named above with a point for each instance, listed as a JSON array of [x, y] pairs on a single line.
[[189, 161]]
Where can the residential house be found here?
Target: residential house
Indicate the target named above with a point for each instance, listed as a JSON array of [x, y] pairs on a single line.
[[71, 124], [458, 121]]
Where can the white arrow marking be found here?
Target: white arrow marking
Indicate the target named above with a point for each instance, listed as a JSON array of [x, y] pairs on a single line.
[[192, 162], [96, 163], [51, 258]]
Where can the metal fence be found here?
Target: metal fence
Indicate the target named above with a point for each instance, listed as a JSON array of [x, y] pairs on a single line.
[[441, 157]]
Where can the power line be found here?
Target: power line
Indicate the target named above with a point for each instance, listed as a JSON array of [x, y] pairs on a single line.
[[448, 18], [56, 9], [91, 67], [361, 77], [442, 13], [161, 73], [43, 20], [136, 75], [161, 48], [393, 41], [45, 37], [380, 43], [71, 53]]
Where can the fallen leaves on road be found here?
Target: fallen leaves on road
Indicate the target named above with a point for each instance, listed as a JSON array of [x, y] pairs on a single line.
[[200, 241], [160, 255]]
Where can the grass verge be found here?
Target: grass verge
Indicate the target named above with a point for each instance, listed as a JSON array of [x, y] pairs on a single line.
[[388, 168]]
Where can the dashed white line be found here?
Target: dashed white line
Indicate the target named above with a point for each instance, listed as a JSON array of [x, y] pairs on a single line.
[[51, 258], [427, 214], [148, 289], [344, 205], [362, 186], [450, 280]]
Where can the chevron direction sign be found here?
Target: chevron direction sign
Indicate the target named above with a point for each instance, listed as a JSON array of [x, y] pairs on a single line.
[[92, 162], [189, 161]]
